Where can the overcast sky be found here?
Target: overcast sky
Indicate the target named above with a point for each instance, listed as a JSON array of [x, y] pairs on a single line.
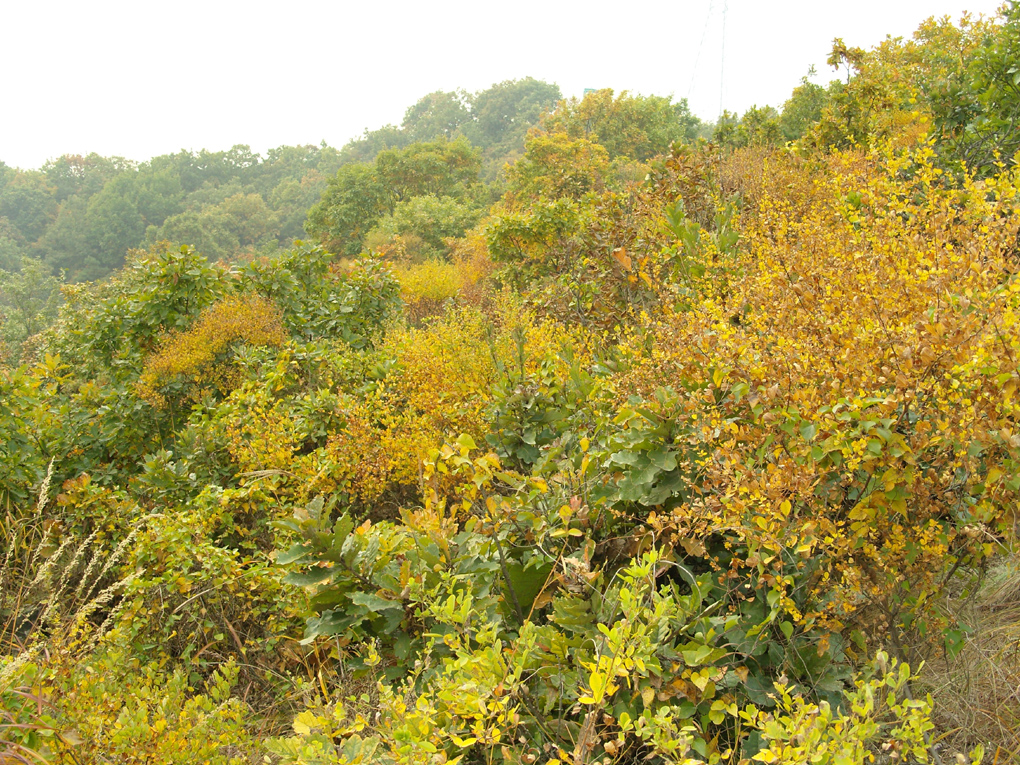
[[138, 79]]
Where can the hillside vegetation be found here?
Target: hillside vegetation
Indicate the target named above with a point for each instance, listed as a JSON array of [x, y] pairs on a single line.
[[531, 431]]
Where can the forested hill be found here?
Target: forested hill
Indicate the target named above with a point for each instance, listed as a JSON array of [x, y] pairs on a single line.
[[575, 432], [82, 214]]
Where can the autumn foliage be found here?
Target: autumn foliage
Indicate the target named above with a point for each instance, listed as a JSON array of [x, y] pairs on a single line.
[[191, 356], [679, 452], [848, 399]]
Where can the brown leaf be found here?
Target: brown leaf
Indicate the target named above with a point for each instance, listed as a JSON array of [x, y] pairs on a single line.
[[620, 253]]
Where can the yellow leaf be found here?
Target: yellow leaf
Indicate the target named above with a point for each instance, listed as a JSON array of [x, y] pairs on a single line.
[[700, 680], [620, 253], [648, 696], [71, 737], [301, 723]]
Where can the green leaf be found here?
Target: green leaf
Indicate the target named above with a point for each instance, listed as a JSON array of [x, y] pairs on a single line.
[[309, 578], [374, 603], [627, 458], [341, 530], [295, 553], [664, 459], [327, 598], [314, 507], [527, 581], [699, 655]]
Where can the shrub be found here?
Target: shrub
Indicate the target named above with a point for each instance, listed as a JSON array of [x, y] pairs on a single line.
[[187, 364]]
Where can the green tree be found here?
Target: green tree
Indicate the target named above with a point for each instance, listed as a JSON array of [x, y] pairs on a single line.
[[73, 174], [979, 118], [441, 168], [294, 163], [726, 130], [28, 201], [936, 76], [354, 200], [360, 195], [158, 193], [113, 225], [240, 224], [438, 115], [290, 201], [430, 218], [555, 165], [637, 127], [12, 246], [65, 245], [502, 115], [802, 109], [367, 147], [494, 120], [29, 300], [760, 126]]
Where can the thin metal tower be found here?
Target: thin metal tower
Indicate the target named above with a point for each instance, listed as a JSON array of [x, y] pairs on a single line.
[[722, 63], [701, 45]]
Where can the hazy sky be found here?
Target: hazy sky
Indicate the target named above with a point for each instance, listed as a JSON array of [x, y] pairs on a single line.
[[138, 79]]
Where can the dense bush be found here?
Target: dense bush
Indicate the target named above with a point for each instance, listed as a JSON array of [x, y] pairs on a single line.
[[678, 453]]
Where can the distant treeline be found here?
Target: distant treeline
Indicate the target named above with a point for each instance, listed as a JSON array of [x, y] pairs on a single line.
[[431, 177], [81, 214]]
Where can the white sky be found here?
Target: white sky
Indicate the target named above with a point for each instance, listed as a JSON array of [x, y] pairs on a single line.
[[139, 79]]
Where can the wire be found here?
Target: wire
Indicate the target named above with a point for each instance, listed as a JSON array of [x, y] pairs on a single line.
[[697, 58], [722, 63]]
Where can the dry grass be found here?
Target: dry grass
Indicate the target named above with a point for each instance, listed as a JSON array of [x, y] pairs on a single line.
[[977, 693], [51, 581]]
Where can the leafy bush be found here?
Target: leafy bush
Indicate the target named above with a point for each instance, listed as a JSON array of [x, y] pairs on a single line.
[[192, 356], [430, 219], [114, 707]]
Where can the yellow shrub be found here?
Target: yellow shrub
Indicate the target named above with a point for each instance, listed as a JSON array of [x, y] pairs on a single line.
[[470, 255], [439, 388], [425, 286], [543, 338], [111, 707], [433, 280], [853, 386], [261, 433], [193, 356], [439, 385]]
